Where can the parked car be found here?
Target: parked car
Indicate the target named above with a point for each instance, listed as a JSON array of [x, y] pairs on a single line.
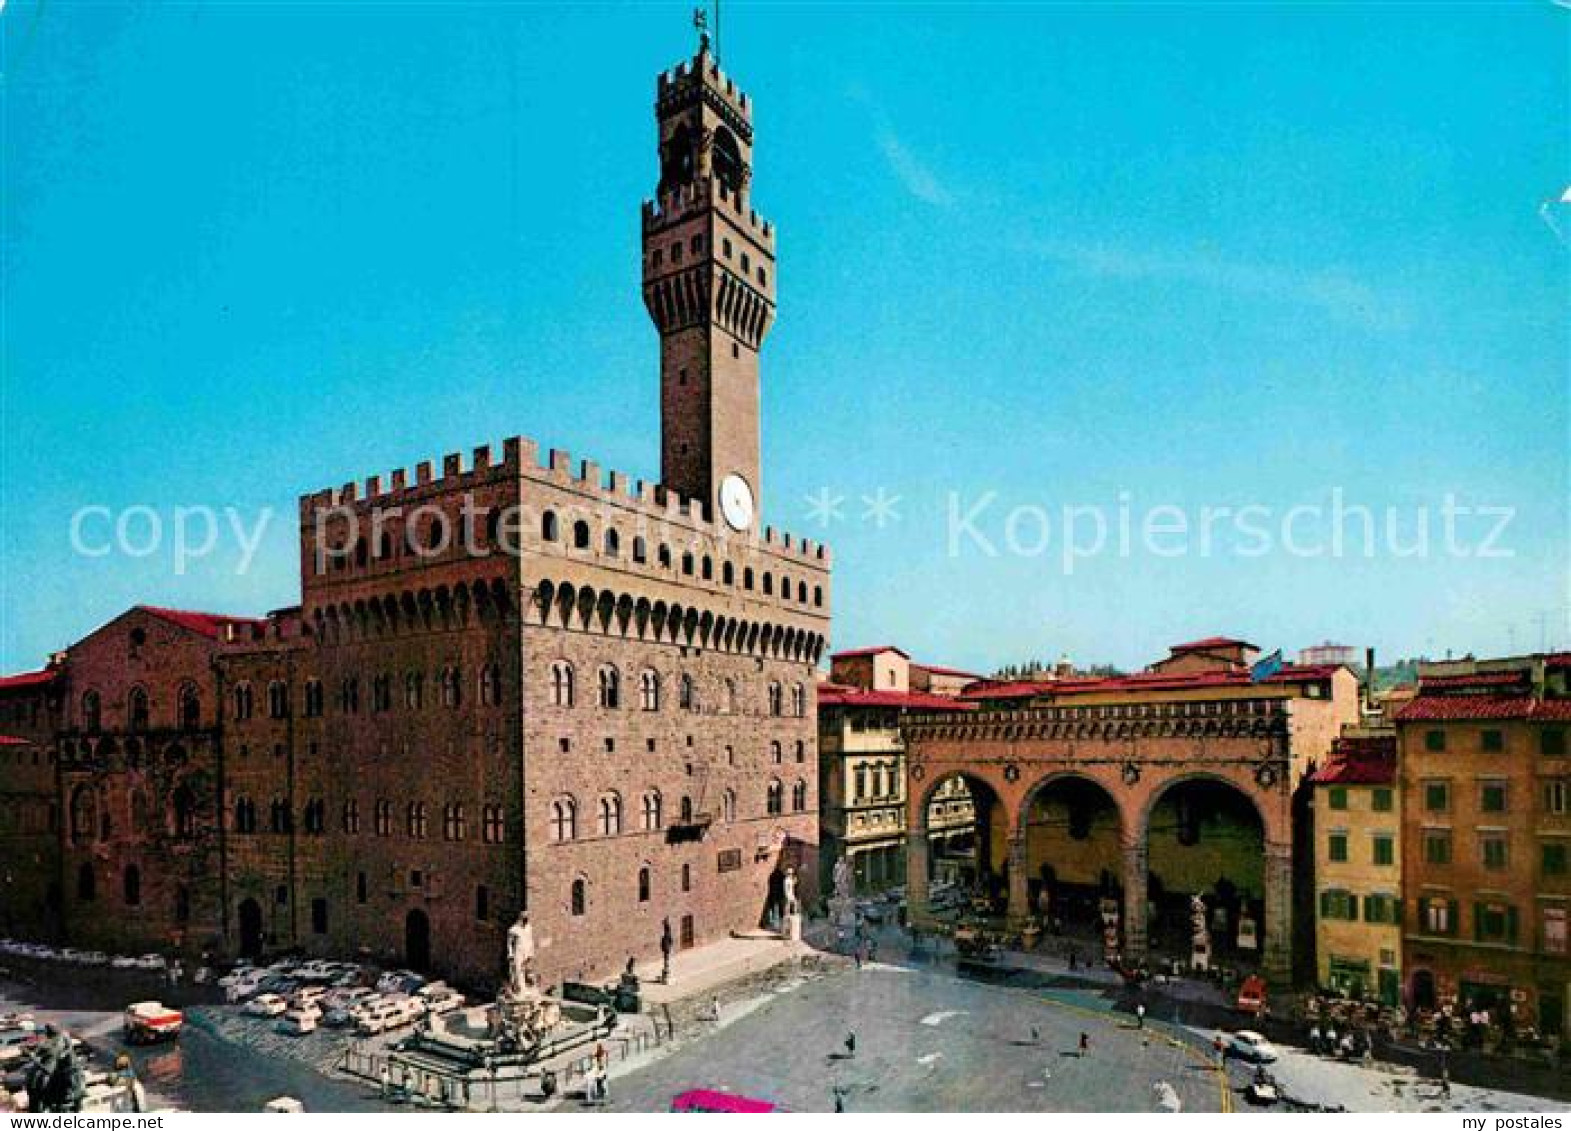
[[378, 1018], [299, 1022], [245, 988], [266, 1005], [440, 998], [1246, 1044], [399, 982], [148, 1022], [345, 1010], [307, 995], [14, 1043]]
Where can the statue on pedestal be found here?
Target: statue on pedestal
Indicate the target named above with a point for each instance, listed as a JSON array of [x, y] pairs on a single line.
[[788, 892], [1200, 934], [524, 1014]]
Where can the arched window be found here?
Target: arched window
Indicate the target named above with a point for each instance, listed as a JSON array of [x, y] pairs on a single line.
[[84, 814], [452, 687], [769, 584], [610, 815], [182, 813], [190, 708], [801, 750], [245, 815], [649, 689], [643, 884], [384, 818], [610, 688], [549, 528], [664, 556], [580, 896], [727, 573], [799, 701], [92, 712], [453, 824], [747, 578], [775, 754], [799, 797], [381, 693], [278, 818], [348, 697], [86, 884], [581, 535], [652, 817], [561, 684], [414, 691], [277, 699], [726, 160], [491, 685], [564, 819], [415, 820], [775, 798], [687, 693], [818, 596], [314, 698], [640, 549], [775, 699], [687, 564], [687, 810], [801, 592], [687, 877], [492, 828], [707, 568], [243, 701], [137, 709], [315, 816], [351, 818], [728, 806], [613, 543]]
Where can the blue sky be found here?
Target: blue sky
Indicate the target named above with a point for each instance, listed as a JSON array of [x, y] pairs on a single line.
[[1030, 257]]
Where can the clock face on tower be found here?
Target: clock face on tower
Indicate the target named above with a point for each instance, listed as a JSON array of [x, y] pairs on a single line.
[[736, 502]]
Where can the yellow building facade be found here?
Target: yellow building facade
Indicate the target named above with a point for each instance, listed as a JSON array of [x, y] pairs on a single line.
[[1358, 868]]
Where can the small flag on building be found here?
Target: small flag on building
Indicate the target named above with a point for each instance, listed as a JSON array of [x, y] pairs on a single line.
[[1266, 667]]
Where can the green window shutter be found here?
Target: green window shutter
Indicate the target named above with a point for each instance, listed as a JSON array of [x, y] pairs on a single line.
[[1369, 909], [1396, 912], [1511, 924], [1454, 910], [1478, 922], [1325, 905]]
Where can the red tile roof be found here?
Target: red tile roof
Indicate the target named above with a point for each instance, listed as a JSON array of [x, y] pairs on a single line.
[[1558, 660], [27, 679], [1006, 689], [1443, 707], [1143, 681], [856, 652], [8, 740], [836, 695], [1211, 642], [207, 624], [936, 670], [1506, 679], [1361, 760]]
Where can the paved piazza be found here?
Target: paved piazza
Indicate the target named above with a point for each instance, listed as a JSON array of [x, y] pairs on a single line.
[[927, 1041]]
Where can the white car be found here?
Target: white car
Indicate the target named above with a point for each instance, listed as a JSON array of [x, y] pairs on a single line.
[[1251, 1046], [238, 974], [246, 987], [378, 1018], [299, 1022], [266, 1005], [440, 998], [307, 996]]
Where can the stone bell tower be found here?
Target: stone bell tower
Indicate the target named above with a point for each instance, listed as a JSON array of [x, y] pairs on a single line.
[[709, 285]]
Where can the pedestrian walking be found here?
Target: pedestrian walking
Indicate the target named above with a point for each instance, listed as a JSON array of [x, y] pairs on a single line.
[[601, 1056], [1085, 1043], [850, 1044], [1036, 1035], [1219, 1049], [840, 1099], [1140, 1015], [714, 1009]]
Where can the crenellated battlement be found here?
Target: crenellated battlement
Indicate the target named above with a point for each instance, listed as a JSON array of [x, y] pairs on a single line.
[[520, 458], [703, 73], [690, 199]]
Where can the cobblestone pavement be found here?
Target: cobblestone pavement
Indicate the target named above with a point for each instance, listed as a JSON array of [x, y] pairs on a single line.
[[928, 1041]]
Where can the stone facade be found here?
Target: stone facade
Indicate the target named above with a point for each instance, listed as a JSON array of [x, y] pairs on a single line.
[[862, 766], [511, 683], [1485, 765], [1133, 787]]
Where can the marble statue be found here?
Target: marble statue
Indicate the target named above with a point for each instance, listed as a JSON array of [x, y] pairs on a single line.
[[521, 958], [788, 887]]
